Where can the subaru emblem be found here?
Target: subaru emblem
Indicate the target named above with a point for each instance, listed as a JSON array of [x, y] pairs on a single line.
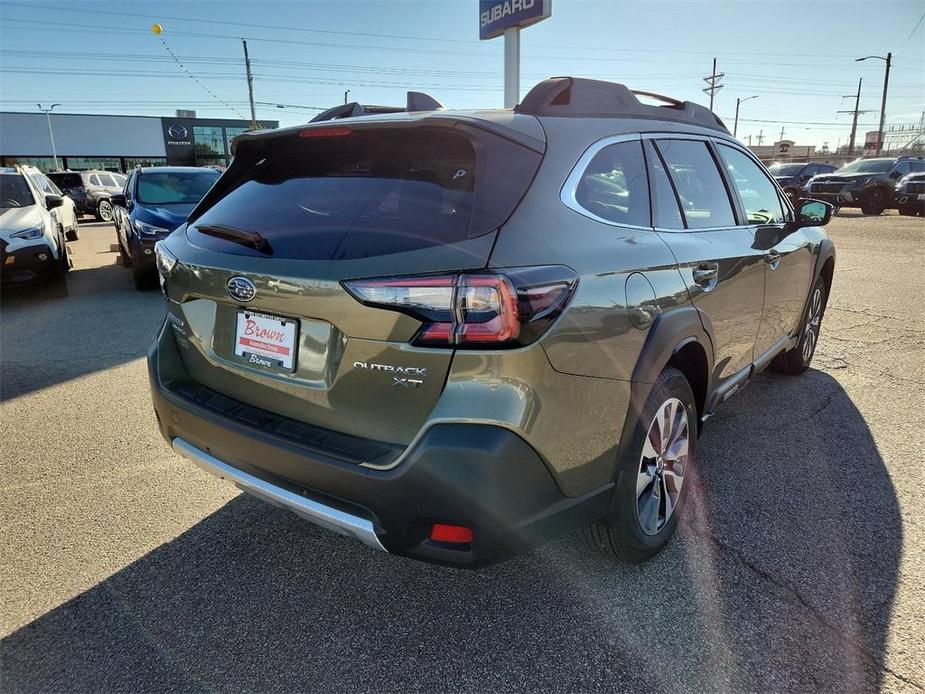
[[241, 289]]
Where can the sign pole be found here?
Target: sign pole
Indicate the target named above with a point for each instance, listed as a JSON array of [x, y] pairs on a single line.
[[511, 66]]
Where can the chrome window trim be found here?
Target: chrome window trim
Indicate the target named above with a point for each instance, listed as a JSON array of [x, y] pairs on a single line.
[[570, 186]]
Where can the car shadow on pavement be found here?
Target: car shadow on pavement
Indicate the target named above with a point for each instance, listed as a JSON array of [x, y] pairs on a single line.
[[52, 334], [782, 578]]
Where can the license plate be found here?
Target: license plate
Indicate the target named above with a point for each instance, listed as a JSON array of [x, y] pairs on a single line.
[[265, 341], [921, 196]]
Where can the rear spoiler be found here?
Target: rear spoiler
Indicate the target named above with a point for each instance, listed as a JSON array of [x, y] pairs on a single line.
[[416, 101]]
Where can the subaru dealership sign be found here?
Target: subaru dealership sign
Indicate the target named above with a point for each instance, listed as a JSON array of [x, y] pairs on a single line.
[[497, 15]]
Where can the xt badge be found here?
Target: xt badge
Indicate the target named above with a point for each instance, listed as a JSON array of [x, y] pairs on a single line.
[[409, 377]]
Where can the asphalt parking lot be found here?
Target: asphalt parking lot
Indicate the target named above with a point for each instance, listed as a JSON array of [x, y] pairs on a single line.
[[800, 564]]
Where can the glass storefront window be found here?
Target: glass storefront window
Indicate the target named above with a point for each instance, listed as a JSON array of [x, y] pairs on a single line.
[[230, 134], [131, 163], [43, 164], [210, 145], [85, 163]]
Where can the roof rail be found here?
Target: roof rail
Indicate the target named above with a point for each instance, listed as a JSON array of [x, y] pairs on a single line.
[[416, 101], [576, 96]]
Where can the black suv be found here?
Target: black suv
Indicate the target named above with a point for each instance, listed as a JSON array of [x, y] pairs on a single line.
[[792, 176], [91, 191], [866, 183]]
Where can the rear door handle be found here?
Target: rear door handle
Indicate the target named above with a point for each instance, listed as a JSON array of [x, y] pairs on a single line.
[[706, 273], [772, 258]]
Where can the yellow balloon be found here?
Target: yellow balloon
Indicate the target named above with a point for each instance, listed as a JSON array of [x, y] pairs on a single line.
[[157, 28]]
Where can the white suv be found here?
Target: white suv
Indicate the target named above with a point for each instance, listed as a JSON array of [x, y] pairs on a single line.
[[32, 238]]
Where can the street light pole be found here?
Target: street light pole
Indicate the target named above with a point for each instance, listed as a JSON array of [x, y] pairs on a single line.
[[346, 92], [51, 134], [735, 128], [886, 83]]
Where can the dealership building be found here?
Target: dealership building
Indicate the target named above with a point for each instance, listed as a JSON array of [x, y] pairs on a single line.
[[117, 143]]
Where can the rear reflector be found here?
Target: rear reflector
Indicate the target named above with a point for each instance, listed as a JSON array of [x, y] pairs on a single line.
[[452, 534], [474, 310]]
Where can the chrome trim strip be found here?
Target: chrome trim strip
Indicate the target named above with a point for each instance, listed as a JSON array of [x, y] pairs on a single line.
[[333, 519], [567, 193]]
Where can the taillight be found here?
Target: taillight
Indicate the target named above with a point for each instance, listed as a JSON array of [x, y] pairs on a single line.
[[479, 309]]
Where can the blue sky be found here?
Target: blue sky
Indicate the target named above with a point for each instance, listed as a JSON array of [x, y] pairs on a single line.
[[101, 57]]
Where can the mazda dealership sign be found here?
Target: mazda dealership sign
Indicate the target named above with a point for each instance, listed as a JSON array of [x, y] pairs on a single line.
[[497, 15]]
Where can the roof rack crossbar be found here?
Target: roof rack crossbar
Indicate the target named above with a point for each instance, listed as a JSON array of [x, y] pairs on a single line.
[[575, 97]]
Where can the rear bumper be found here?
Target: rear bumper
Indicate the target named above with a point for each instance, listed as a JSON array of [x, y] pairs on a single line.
[[480, 476]]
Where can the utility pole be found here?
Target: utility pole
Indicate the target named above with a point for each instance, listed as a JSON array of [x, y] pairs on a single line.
[[854, 120], [781, 134], [51, 134], [760, 137], [735, 128], [712, 81], [346, 92], [250, 85], [749, 140], [886, 83]]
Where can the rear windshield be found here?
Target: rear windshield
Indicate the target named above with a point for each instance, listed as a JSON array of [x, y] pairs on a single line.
[[175, 188], [66, 180], [371, 192]]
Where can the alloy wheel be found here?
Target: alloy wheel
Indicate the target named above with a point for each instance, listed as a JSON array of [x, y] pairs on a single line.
[[105, 211], [811, 332], [662, 466]]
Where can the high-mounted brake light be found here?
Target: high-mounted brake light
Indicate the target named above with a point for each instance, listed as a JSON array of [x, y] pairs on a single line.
[[325, 132], [471, 310]]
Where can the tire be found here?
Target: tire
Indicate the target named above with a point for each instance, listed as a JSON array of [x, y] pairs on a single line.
[[874, 203], [908, 210], [797, 360], [144, 279], [104, 211], [650, 488], [73, 234], [124, 256], [63, 264]]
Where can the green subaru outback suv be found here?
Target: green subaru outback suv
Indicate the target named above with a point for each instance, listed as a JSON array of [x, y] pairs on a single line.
[[453, 335]]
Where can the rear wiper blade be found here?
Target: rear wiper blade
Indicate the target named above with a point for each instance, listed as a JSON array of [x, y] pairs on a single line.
[[246, 238]]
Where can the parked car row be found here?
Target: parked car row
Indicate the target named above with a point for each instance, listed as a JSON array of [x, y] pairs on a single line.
[[91, 191], [873, 184]]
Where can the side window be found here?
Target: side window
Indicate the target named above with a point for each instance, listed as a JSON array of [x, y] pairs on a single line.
[[40, 184], [614, 186], [810, 171], [758, 195], [917, 165], [94, 180], [665, 209], [900, 170], [701, 192], [50, 186]]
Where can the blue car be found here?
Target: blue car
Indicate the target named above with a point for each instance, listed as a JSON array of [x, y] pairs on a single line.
[[155, 201]]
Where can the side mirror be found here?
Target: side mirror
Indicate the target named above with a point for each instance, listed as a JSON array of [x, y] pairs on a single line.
[[814, 213], [117, 199], [53, 201]]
